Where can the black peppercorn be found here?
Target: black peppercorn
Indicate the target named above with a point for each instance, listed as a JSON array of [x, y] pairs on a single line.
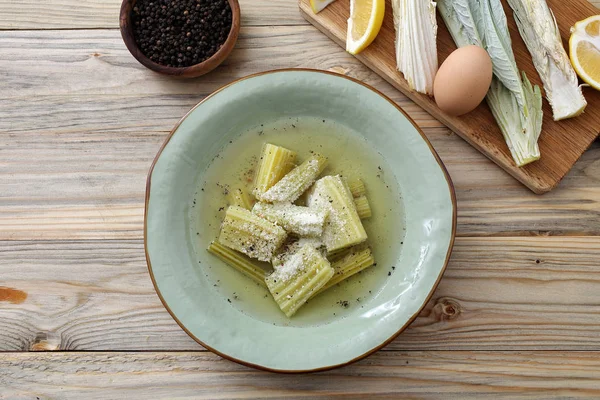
[[180, 33]]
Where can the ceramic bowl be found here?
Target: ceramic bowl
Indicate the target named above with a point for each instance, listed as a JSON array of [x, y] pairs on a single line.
[[177, 274]]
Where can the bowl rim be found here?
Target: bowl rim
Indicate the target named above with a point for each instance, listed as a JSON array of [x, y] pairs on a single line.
[[191, 71], [408, 322]]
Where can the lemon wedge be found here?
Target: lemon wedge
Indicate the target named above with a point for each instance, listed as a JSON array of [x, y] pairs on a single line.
[[318, 5], [366, 18], [584, 49]]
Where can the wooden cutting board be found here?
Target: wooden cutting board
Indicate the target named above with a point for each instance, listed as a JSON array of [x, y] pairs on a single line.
[[561, 143]]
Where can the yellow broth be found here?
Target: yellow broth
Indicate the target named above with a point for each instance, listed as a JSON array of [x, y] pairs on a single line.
[[351, 156]]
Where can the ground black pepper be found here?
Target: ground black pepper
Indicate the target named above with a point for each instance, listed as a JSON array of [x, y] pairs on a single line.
[[180, 33], [344, 303]]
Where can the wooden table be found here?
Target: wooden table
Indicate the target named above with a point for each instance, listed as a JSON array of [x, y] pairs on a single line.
[[517, 314]]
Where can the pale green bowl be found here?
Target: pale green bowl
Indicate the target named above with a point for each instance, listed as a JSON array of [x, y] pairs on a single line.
[[428, 198]]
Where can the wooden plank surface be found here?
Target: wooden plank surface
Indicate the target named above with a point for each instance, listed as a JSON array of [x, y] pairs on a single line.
[[97, 295], [92, 187], [94, 14], [80, 122], [561, 143], [109, 116], [443, 375], [77, 14]]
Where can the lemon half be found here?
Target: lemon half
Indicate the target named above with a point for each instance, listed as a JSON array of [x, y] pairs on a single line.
[[584, 49], [366, 18]]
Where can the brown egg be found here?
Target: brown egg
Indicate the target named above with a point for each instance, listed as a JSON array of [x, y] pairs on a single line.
[[463, 80]]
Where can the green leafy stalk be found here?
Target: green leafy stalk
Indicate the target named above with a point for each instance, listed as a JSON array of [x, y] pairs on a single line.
[[515, 103], [540, 33], [509, 116]]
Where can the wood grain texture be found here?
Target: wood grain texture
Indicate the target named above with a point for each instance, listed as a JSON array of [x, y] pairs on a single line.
[[440, 375], [96, 62], [83, 295], [561, 144], [81, 120], [95, 14], [96, 118], [497, 294], [92, 186]]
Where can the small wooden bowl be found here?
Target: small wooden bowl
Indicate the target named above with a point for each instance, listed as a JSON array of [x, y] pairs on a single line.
[[184, 72]]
